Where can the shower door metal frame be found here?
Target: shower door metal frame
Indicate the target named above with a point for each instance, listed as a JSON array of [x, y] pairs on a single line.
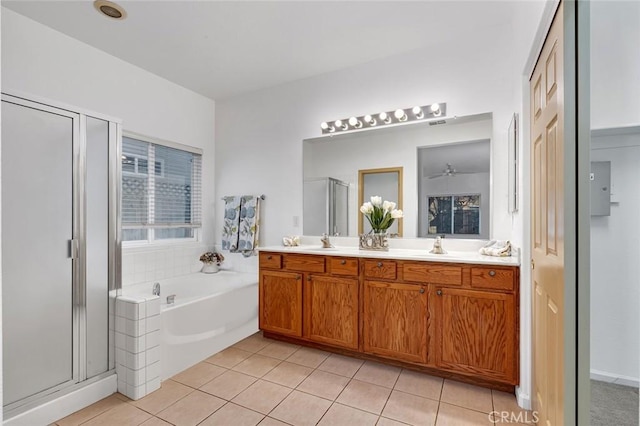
[[77, 245], [331, 205]]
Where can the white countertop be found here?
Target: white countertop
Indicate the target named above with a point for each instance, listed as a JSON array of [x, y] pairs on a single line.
[[400, 254]]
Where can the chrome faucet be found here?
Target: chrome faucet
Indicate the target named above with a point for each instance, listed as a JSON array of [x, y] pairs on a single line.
[[437, 246], [325, 241], [156, 289]]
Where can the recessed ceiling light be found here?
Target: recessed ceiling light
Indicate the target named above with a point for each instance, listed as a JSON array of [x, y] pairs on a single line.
[[110, 9]]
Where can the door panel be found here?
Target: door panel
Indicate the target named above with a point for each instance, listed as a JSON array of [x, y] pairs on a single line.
[[281, 302], [475, 332], [395, 320], [547, 129], [37, 272], [97, 241], [331, 310]]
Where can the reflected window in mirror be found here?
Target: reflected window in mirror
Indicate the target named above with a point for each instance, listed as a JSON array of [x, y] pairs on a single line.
[[454, 215]]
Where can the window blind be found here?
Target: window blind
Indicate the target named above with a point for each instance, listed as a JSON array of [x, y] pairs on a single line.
[[161, 190]]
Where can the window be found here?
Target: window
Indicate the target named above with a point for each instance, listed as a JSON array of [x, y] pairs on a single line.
[[454, 214], [162, 202]]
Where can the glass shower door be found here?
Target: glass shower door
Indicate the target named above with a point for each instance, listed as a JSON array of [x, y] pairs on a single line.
[[37, 267]]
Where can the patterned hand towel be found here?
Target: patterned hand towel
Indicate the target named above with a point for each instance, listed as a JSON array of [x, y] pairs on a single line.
[[249, 225], [230, 234]]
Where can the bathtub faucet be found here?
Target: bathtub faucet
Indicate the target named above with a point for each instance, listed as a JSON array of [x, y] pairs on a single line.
[[156, 289], [171, 299]]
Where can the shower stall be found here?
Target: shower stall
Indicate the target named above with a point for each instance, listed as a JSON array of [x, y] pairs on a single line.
[[326, 207], [60, 249]]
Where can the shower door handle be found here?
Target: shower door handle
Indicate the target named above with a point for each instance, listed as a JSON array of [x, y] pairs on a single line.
[[74, 249]]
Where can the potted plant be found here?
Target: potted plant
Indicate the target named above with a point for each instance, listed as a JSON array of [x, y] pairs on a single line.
[[381, 215], [211, 262]]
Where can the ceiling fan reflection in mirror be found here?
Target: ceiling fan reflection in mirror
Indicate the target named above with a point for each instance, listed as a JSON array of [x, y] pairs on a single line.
[[449, 171]]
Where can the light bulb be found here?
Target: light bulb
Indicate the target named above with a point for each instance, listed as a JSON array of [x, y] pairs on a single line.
[[370, 120], [400, 115], [340, 125], [435, 109], [354, 122], [385, 117], [326, 127], [417, 111]]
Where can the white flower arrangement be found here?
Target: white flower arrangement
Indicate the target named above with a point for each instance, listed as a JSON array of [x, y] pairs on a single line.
[[380, 214]]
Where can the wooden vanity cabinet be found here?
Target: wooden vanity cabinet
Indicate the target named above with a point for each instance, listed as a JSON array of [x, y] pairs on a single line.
[[457, 320], [311, 297]]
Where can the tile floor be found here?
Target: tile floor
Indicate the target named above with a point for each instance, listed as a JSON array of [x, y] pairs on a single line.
[[270, 383]]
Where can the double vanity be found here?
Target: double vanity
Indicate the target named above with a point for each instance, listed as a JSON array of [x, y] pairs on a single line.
[[453, 315]]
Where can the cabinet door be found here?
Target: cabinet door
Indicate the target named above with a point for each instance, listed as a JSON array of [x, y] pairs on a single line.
[[395, 320], [476, 333], [281, 302], [331, 310]]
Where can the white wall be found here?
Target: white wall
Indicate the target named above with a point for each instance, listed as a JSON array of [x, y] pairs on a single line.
[[264, 130], [615, 63], [615, 264], [615, 251], [40, 61]]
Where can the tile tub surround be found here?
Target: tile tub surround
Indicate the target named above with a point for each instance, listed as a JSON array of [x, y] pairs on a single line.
[[142, 264], [298, 395], [137, 335], [155, 262]]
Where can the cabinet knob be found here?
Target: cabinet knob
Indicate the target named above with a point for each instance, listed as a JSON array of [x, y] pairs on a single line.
[[299, 277], [343, 262], [422, 290], [492, 273], [309, 278], [439, 292], [269, 257], [379, 264]]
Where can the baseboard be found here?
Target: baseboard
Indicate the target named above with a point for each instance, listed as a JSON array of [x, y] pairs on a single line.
[[524, 399], [603, 376], [58, 408]]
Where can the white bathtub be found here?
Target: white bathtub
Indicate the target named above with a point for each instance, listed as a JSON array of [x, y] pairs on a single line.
[[210, 313]]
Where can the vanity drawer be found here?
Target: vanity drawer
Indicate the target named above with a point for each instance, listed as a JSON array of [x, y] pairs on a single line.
[[435, 274], [270, 260], [344, 266], [380, 269], [492, 278], [304, 263]]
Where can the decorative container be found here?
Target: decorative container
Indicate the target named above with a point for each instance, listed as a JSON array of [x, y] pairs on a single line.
[[210, 268], [374, 241]]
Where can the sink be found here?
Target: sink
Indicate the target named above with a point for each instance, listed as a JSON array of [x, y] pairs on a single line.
[[318, 248]]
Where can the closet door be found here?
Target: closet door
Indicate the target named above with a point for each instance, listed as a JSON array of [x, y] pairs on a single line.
[[37, 267]]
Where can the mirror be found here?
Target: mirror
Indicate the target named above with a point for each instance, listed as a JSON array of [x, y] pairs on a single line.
[[386, 183], [341, 157]]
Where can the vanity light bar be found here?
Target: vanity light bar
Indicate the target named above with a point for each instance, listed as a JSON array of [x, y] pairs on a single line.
[[385, 118]]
